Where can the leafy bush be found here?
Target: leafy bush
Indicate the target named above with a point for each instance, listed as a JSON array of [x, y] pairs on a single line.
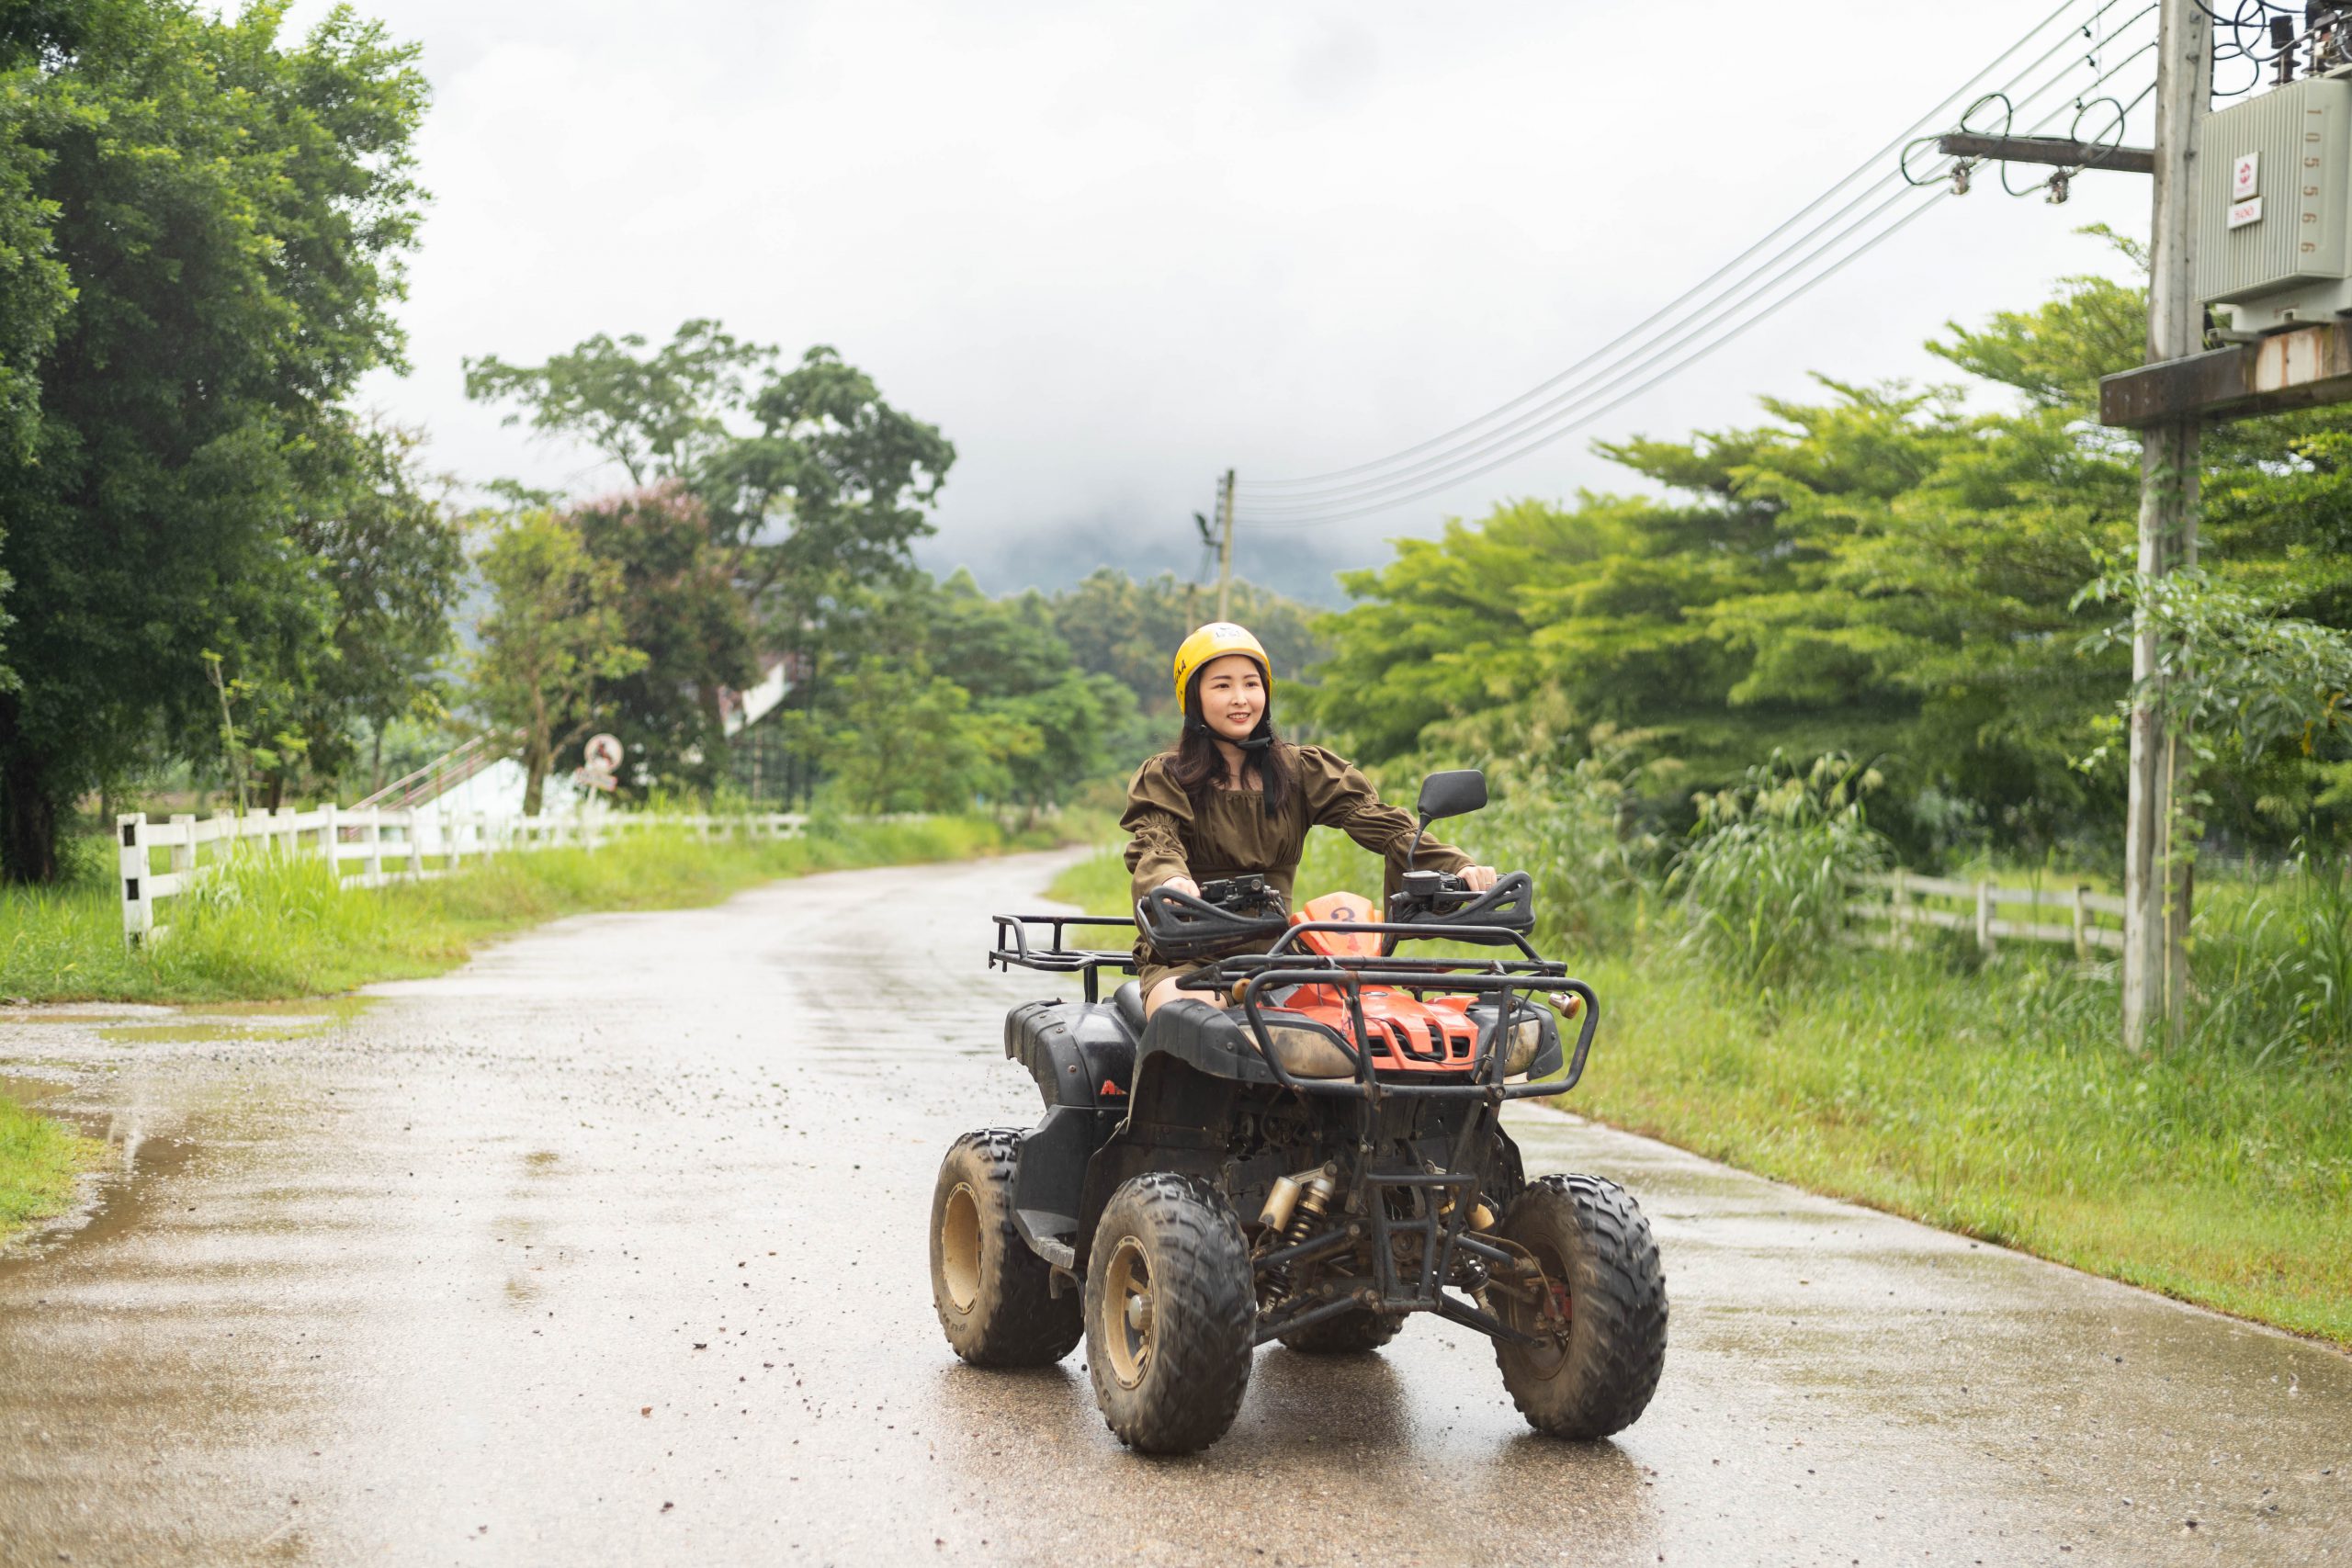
[[1573, 829], [1765, 880]]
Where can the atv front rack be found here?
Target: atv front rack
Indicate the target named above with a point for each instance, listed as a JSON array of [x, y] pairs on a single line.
[[1248, 977], [1055, 958]]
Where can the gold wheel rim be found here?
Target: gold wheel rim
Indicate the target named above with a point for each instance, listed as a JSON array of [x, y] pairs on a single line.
[[959, 1248], [1130, 1319]]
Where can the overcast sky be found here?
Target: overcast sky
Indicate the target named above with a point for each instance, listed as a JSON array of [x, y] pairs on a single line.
[[1111, 249]]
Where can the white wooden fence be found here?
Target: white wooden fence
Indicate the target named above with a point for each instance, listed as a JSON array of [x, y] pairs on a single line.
[[1899, 910], [386, 845]]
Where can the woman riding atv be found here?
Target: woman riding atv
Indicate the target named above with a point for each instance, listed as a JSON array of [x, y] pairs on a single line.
[[1232, 799]]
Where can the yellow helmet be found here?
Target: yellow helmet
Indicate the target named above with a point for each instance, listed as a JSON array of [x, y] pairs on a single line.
[[1214, 641]]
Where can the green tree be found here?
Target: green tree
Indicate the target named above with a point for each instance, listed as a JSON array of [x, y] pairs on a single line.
[[552, 639], [809, 473], [814, 485], [36, 291], [908, 740], [1065, 725], [1079, 723], [392, 553], [679, 606], [835, 485], [231, 211], [659, 415]]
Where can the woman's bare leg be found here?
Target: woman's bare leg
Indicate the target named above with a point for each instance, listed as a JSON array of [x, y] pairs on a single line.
[[1167, 991]]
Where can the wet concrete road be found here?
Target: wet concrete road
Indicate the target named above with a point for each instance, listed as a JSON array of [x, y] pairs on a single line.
[[609, 1248]]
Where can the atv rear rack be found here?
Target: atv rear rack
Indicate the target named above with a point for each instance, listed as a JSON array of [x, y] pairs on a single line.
[[1057, 958]]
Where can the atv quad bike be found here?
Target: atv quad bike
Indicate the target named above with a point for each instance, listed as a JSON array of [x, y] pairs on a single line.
[[1312, 1164]]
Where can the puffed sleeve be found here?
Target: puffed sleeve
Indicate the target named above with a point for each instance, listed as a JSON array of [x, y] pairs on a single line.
[[1340, 796], [1157, 815]]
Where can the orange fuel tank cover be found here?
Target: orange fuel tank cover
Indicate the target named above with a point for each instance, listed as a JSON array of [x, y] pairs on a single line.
[[1338, 944]]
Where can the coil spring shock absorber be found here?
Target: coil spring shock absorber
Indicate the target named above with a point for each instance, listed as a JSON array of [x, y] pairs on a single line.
[[1294, 1206]]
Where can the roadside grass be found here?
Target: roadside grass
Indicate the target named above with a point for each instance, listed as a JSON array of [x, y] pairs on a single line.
[[1991, 1100], [40, 1158]]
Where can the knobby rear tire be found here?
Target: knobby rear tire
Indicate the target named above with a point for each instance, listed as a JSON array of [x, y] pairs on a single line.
[[1174, 1385], [994, 1295], [1599, 1380]]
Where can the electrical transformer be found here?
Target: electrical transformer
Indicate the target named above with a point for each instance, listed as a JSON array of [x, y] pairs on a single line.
[[2274, 178]]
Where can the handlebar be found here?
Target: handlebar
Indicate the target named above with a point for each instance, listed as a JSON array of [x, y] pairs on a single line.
[[1442, 899], [1180, 926]]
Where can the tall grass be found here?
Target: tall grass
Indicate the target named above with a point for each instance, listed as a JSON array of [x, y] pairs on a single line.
[[265, 927], [2272, 963], [1571, 829], [1766, 877]]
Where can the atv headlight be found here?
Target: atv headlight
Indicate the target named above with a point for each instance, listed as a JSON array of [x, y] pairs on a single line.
[[1526, 1040], [1305, 1051]]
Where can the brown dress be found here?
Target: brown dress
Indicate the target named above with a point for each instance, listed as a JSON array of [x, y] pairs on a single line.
[[1232, 835]]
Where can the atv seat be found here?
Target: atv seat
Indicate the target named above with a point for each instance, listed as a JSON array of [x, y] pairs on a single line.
[[1128, 999]]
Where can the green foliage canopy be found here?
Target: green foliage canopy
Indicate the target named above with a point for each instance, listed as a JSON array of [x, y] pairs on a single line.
[[680, 607], [229, 212], [659, 415]]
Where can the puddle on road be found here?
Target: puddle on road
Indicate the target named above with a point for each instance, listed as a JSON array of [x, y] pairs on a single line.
[[238, 1022], [120, 1198], [29, 1091], [84, 1059]]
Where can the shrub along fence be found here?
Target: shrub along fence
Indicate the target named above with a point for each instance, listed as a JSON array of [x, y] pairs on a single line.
[[1906, 904], [387, 845]]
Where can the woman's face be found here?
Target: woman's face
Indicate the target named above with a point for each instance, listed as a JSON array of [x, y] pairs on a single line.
[[1233, 695]]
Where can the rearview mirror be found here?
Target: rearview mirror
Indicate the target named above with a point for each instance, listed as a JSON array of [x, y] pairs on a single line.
[[1451, 794]]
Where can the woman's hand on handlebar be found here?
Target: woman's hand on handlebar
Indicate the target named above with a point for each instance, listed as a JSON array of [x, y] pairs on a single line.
[[1478, 878], [1192, 889]]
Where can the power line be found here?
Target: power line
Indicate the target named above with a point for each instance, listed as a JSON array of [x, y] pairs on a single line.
[[1525, 439], [1606, 385], [1350, 493], [1635, 390], [1317, 482]]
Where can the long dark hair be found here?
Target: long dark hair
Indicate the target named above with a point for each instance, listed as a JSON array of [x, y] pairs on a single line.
[[1199, 764]]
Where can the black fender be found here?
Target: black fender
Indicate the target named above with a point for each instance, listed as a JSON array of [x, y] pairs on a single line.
[[1081, 1053], [1176, 1120], [1049, 1177]]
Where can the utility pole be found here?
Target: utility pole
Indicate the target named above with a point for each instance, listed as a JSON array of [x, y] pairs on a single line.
[[1225, 550], [2155, 890]]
